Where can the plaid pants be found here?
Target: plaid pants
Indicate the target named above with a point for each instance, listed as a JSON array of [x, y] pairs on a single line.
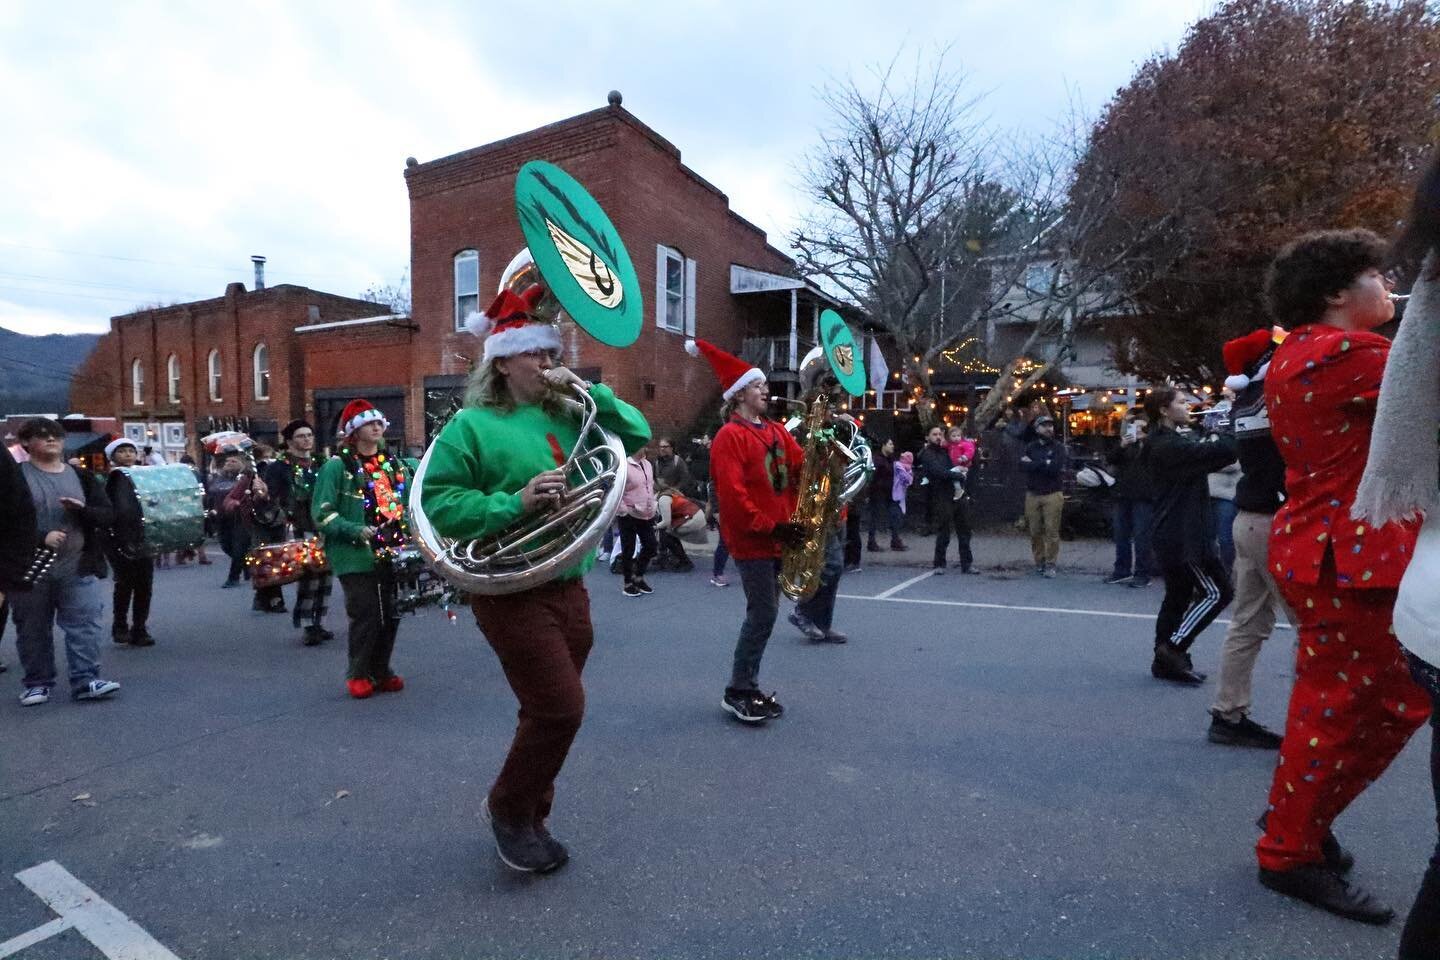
[[312, 598]]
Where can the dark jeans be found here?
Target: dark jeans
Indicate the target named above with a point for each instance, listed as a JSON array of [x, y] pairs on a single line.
[[946, 514], [235, 541], [1195, 593], [631, 528], [542, 637], [1420, 940], [370, 605], [820, 608], [76, 604], [1132, 526], [853, 544], [722, 557], [760, 579], [1224, 512], [134, 583], [888, 510]]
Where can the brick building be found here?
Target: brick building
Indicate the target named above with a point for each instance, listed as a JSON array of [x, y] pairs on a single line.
[[704, 270], [172, 374]]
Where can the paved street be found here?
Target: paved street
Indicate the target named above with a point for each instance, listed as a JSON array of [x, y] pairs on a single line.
[[986, 770]]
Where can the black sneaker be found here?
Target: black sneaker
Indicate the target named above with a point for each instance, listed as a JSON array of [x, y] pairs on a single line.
[[1139, 582], [1169, 664], [120, 633], [744, 705], [1242, 733], [806, 626], [768, 703], [1190, 665], [1319, 885], [644, 587], [629, 589], [555, 847], [312, 637], [520, 847], [1119, 578], [140, 637]]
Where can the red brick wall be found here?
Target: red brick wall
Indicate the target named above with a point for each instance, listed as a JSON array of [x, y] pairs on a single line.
[[467, 202]]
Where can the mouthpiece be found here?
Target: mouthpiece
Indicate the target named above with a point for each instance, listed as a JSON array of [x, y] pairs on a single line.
[[1399, 297]]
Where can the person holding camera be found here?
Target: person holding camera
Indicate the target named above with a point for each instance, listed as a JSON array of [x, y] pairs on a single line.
[[755, 465], [1134, 517]]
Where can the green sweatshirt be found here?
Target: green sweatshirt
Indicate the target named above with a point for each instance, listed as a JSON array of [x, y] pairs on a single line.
[[338, 509], [485, 456]]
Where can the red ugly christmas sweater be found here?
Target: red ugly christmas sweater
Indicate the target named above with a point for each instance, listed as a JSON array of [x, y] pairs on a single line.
[[755, 468]]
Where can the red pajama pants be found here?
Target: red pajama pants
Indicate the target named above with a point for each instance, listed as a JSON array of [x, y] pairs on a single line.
[[1352, 710]]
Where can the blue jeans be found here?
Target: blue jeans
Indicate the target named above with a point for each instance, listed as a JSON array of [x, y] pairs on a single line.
[[1224, 512], [1132, 528], [889, 510], [77, 605], [1422, 928], [722, 557], [760, 579], [820, 608]]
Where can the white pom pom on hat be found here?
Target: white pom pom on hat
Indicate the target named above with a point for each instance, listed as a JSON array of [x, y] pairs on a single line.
[[692, 348]]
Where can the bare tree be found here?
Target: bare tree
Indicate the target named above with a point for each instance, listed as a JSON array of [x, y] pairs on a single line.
[[396, 296]]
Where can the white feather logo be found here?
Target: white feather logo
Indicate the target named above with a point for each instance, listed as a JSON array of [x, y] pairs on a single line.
[[589, 271]]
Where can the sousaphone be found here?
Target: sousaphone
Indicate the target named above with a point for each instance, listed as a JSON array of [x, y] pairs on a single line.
[[574, 252], [838, 358]]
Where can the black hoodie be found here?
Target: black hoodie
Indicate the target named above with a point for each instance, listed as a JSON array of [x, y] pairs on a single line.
[[1184, 521]]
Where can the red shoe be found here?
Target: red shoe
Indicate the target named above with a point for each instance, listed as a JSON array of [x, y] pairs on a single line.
[[391, 684], [360, 688]]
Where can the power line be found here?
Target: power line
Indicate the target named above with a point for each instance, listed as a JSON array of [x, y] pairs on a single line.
[[158, 263], [97, 284]]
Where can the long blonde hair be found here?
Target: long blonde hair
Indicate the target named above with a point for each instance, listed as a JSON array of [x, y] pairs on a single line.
[[487, 387]]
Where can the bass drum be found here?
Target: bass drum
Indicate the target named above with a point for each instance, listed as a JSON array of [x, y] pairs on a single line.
[[171, 507]]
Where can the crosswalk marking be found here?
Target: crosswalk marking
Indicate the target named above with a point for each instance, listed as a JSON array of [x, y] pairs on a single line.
[[84, 911]]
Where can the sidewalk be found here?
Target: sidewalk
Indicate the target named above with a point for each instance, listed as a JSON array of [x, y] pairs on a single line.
[[1001, 550]]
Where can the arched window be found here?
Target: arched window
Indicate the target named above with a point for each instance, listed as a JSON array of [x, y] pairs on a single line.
[[260, 362], [214, 369], [137, 382], [467, 285], [172, 373]]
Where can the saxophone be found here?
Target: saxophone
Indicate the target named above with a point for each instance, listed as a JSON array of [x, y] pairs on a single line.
[[818, 508]]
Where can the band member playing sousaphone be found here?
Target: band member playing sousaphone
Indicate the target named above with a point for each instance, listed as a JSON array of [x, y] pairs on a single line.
[[291, 480], [359, 505], [494, 463], [755, 463]]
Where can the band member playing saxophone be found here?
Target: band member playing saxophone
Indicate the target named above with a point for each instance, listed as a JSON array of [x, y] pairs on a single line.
[[755, 464], [495, 463]]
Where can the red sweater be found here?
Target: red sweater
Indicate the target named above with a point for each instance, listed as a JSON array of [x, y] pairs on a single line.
[[755, 468]]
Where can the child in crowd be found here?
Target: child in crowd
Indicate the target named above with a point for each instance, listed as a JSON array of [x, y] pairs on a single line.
[[962, 455]]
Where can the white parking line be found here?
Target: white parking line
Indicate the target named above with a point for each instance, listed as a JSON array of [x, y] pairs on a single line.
[[900, 586], [1002, 606], [82, 910]]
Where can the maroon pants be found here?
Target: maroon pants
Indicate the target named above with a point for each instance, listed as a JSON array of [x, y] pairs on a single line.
[[1352, 709], [542, 637]]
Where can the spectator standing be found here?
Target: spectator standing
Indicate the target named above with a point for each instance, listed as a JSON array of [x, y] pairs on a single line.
[[934, 468], [70, 512], [879, 497], [904, 468], [1134, 519], [637, 522], [671, 472], [1044, 464]]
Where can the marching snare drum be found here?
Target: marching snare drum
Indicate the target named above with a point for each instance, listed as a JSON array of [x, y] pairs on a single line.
[[276, 564]]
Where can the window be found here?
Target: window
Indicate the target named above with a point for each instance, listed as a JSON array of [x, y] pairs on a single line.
[[1037, 278], [214, 370], [467, 285], [137, 382], [674, 291], [172, 374], [260, 361]]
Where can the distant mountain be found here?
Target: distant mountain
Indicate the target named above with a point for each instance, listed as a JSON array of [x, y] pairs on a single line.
[[35, 371]]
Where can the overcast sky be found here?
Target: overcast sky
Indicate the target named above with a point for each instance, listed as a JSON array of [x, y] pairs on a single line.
[[151, 148]]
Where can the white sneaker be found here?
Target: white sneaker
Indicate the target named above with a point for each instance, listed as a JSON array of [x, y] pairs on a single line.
[[34, 696], [96, 690]]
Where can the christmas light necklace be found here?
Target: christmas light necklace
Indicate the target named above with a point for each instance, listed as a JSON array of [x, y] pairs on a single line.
[[390, 536]]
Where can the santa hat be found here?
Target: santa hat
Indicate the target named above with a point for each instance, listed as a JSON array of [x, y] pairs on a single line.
[[116, 444], [356, 414], [733, 373], [509, 325], [1247, 358]]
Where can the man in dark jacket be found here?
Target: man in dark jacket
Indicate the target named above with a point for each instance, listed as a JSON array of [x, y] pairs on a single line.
[[17, 534], [945, 512], [1258, 495], [134, 571], [1196, 585], [1044, 463], [71, 511], [1134, 517]]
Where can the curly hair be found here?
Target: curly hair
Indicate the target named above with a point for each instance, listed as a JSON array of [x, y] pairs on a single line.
[[1310, 270]]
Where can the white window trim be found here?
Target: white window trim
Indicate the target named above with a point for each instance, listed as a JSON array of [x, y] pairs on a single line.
[[172, 378], [464, 256], [213, 370], [137, 382], [686, 323], [262, 388]]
